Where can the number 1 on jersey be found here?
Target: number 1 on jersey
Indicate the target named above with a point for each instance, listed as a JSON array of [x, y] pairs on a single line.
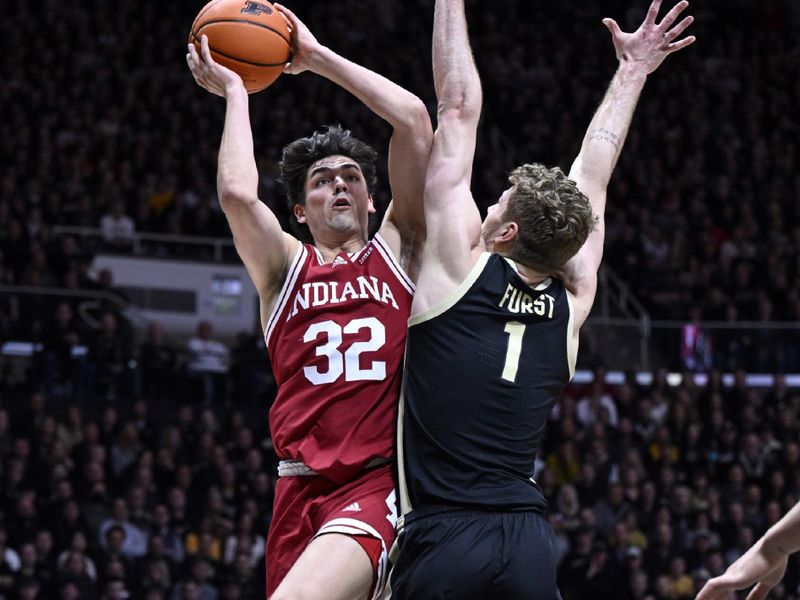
[[515, 331]]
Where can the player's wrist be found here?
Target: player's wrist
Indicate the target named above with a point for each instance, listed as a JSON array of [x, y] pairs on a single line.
[[633, 69], [235, 89], [319, 59]]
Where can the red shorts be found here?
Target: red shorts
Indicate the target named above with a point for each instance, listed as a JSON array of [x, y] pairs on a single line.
[[308, 506]]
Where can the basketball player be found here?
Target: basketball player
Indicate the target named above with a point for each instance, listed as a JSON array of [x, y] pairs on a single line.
[[334, 314], [764, 564], [494, 330]]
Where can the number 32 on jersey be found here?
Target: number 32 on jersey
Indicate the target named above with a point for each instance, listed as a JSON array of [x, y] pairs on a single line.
[[347, 363]]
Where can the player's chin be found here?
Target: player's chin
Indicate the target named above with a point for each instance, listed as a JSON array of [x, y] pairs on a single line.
[[342, 221]]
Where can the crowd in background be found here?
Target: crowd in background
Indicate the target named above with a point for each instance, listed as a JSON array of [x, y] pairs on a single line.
[[102, 126], [652, 489], [142, 468]]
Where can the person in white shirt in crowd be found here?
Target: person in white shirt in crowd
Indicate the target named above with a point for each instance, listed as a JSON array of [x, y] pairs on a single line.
[[117, 228], [207, 361]]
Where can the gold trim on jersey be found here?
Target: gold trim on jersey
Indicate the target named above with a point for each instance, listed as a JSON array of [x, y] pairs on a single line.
[[572, 337], [541, 286], [455, 295], [403, 499]]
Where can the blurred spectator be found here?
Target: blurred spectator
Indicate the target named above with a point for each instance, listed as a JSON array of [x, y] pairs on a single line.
[[110, 355], [207, 364], [119, 536], [117, 228], [157, 364], [9, 565]]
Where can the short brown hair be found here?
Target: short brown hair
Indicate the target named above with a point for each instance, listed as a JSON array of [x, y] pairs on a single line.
[[553, 216], [298, 157]]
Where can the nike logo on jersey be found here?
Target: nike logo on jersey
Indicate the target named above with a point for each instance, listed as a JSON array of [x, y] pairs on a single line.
[[354, 507], [319, 293], [519, 302]]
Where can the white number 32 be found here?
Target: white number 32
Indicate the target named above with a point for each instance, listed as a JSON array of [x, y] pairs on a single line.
[[347, 362]]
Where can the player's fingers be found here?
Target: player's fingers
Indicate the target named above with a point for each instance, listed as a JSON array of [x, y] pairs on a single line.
[[652, 12], [678, 29], [667, 21], [205, 51], [681, 44], [287, 15], [194, 65], [759, 592], [193, 53], [712, 590], [612, 26]]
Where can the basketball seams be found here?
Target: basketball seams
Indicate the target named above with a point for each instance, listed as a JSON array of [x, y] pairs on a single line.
[[241, 60], [245, 21], [203, 11]]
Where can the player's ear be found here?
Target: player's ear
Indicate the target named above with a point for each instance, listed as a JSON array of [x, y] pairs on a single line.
[[370, 205], [508, 232], [299, 213]]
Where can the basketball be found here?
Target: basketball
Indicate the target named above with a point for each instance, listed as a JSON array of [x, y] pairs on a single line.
[[250, 38]]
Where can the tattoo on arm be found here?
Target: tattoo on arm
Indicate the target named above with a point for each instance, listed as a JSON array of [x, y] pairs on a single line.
[[607, 135]]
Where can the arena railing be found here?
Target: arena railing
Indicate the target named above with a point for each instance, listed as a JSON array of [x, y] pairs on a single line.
[[139, 241]]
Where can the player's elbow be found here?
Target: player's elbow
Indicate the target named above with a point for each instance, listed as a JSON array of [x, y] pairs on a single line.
[[461, 102], [415, 118], [233, 195], [456, 113]]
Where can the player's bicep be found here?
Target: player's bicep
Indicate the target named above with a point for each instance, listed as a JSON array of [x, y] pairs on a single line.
[[579, 275], [262, 245]]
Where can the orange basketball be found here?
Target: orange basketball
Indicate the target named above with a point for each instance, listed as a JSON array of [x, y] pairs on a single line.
[[248, 37]]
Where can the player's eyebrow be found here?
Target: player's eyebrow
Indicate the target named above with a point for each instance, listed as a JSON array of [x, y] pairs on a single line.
[[324, 169]]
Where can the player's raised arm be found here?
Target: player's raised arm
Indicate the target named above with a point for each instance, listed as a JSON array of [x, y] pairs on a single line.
[[763, 564], [639, 53], [409, 148], [261, 243], [452, 219]]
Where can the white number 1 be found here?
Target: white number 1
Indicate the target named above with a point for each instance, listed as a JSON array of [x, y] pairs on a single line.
[[515, 332]]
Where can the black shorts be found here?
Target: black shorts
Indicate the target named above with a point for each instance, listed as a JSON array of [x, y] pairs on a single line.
[[475, 555]]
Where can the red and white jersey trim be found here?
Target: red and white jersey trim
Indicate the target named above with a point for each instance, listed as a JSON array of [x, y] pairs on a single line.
[[394, 264], [299, 258], [288, 285], [355, 527]]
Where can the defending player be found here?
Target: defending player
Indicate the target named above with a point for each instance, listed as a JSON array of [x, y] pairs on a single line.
[[494, 330], [764, 564], [334, 314]]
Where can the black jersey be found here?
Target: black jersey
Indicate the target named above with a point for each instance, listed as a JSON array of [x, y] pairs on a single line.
[[483, 369]]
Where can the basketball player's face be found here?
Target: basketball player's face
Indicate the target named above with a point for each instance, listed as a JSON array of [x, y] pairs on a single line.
[[337, 199], [493, 223]]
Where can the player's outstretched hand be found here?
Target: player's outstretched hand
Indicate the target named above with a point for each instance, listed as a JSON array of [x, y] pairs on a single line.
[[209, 74], [649, 45], [304, 44], [721, 588]]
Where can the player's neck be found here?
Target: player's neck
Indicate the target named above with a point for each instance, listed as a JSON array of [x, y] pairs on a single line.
[[331, 248], [530, 276]]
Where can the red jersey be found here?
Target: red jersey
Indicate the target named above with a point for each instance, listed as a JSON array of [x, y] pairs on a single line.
[[336, 338]]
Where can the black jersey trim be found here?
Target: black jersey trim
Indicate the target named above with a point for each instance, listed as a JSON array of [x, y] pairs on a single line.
[[450, 300]]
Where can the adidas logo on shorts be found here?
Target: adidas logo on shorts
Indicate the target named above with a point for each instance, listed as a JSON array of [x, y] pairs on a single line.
[[354, 507]]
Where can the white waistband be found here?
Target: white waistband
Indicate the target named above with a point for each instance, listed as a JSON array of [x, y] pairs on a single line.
[[294, 468]]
